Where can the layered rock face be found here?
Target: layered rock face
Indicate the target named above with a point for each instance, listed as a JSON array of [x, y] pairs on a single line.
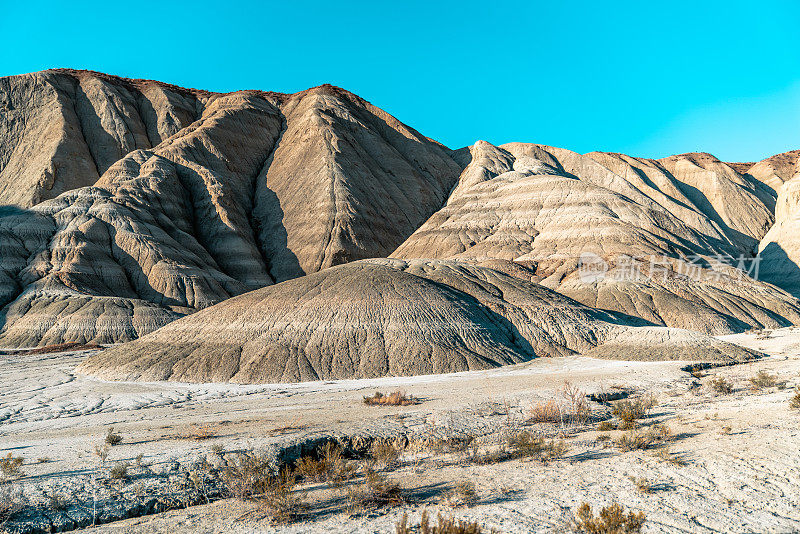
[[373, 318], [258, 187], [549, 208], [211, 228]]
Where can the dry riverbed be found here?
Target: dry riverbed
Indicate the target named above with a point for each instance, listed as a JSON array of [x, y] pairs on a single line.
[[732, 464]]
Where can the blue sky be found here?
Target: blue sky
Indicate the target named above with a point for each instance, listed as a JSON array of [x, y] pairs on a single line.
[[644, 78]]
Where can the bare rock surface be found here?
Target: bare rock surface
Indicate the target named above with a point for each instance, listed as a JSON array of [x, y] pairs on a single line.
[[381, 317], [195, 197], [548, 208]]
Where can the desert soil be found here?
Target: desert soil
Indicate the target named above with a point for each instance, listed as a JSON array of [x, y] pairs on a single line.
[[741, 469]]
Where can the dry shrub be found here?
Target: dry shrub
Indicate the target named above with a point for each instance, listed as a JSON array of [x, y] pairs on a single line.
[[656, 435], [721, 385], [384, 453], [670, 457], [579, 412], [444, 525], [612, 520], [545, 412], [199, 432], [525, 444], [642, 484], [12, 501], [112, 438], [629, 411], [279, 499], [375, 491], [247, 474], [762, 380], [794, 402], [119, 472], [11, 466], [463, 494], [396, 398], [330, 467], [605, 426]]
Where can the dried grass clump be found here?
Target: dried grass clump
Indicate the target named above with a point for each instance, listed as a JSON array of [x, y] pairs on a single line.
[[247, 474], [278, 498], [384, 453], [721, 385], [630, 411], [670, 457], [656, 435], [11, 466], [525, 444], [330, 466], [463, 493], [545, 412], [375, 491], [396, 398], [763, 380], [605, 426], [113, 438], [612, 520], [200, 433], [444, 525], [794, 402], [119, 472]]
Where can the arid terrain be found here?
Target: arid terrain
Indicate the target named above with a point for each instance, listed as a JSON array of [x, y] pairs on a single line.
[[736, 469], [256, 311]]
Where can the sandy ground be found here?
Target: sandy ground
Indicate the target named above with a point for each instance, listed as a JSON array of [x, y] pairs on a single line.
[[742, 471]]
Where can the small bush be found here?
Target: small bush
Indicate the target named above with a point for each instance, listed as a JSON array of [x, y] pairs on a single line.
[[670, 457], [794, 402], [642, 484], [629, 411], [656, 435], [463, 494], [384, 453], [721, 385], [11, 467], [547, 412], [612, 520], [397, 398], [376, 490], [605, 426], [528, 445], [43, 460], [331, 467], [279, 499], [247, 474], [200, 433], [444, 525], [113, 438], [762, 380], [119, 472], [11, 501]]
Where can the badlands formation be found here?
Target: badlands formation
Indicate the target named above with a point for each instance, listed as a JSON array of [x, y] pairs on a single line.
[[223, 233]]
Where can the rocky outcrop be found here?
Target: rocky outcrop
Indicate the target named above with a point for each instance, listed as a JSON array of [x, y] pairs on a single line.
[[190, 211], [374, 318], [780, 248], [549, 208]]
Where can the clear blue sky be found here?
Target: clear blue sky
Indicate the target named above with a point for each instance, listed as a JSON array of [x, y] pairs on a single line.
[[646, 78]]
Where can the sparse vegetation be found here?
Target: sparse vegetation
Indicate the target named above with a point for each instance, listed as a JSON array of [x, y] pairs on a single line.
[[384, 453], [763, 380], [630, 411], [11, 466], [605, 426], [463, 493], [375, 491], [279, 498], [119, 471], [218, 449], [330, 467], [720, 385], [642, 484], [200, 433], [525, 444], [444, 525], [794, 402], [612, 520], [43, 460], [396, 398], [670, 457], [641, 440], [112, 438], [545, 412]]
